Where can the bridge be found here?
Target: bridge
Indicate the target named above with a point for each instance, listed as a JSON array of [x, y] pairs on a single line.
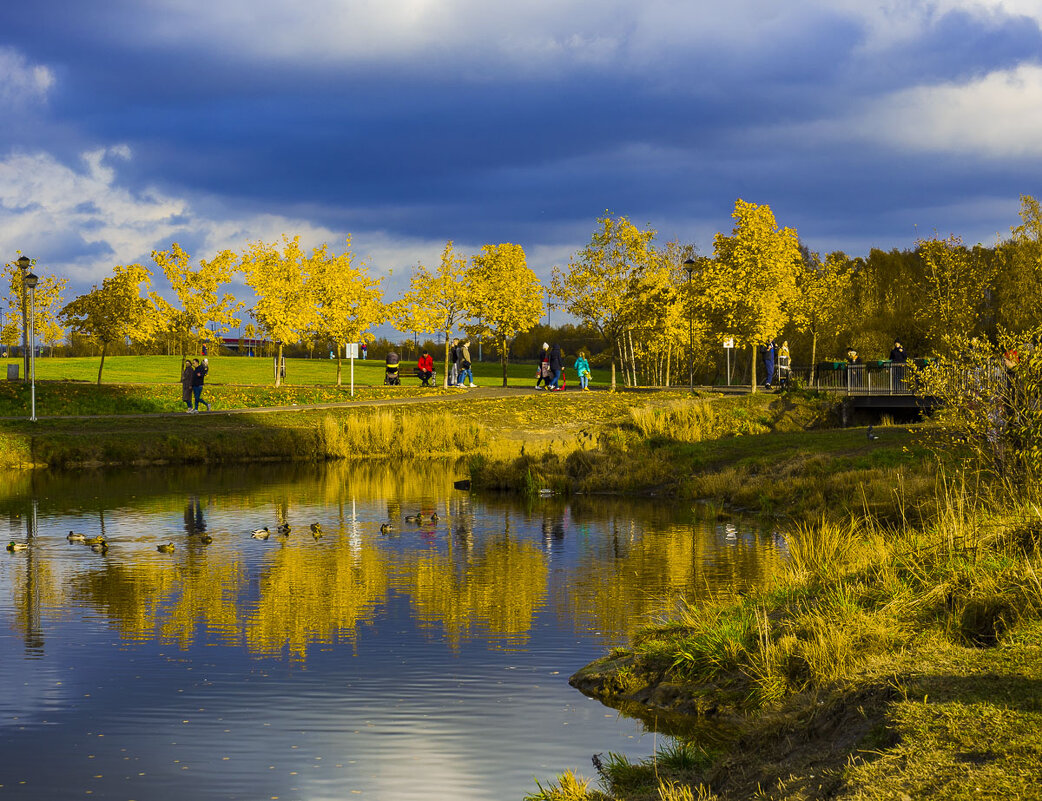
[[875, 385]]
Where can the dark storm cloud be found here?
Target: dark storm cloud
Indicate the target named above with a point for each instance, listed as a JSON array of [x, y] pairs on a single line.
[[462, 125]]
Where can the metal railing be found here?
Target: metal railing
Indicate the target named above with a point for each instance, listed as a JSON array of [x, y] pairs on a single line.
[[881, 378]]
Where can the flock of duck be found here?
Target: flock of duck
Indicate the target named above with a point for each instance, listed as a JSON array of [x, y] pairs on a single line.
[[99, 544]]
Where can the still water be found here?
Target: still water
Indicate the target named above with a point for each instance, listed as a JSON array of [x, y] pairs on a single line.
[[427, 662]]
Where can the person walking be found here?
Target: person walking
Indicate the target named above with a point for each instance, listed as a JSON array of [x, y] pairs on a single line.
[[542, 373], [198, 380], [454, 363], [186, 384], [768, 351], [582, 369], [784, 365], [466, 374], [556, 365]]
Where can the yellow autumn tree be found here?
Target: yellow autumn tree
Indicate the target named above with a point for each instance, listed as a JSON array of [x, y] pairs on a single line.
[[49, 300], [1019, 293], [954, 282], [595, 285], [114, 311], [437, 300], [819, 305], [749, 284], [347, 300], [507, 298], [278, 274], [202, 313]]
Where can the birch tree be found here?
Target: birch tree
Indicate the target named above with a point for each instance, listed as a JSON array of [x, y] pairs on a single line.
[[751, 279], [438, 300], [594, 287], [114, 311], [279, 275], [506, 296], [347, 300], [202, 313]]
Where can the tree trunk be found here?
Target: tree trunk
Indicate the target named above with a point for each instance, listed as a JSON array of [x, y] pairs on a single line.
[[278, 367], [752, 374], [101, 366], [503, 358], [612, 375], [669, 364], [622, 364], [338, 380], [445, 376], [633, 356], [813, 356]]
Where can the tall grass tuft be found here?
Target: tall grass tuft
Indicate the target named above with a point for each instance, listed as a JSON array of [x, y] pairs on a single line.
[[697, 421]]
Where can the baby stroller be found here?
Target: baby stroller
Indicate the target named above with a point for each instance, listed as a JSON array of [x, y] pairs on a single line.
[[391, 378]]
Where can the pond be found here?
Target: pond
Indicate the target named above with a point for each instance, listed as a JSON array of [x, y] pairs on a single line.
[[425, 662]]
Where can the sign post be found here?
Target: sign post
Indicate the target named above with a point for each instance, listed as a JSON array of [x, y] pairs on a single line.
[[728, 347], [351, 349]]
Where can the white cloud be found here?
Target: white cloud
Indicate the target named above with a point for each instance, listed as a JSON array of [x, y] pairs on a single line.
[[21, 82], [89, 222], [533, 35], [998, 116]]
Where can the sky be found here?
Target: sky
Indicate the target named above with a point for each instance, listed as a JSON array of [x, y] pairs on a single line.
[[132, 124]]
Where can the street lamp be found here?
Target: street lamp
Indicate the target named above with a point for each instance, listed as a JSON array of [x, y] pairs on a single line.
[[689, 265], [30, 281], [24, 262]]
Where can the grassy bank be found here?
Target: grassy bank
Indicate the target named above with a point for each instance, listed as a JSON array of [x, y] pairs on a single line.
[[765, 453], [881, 663], [364, 433]]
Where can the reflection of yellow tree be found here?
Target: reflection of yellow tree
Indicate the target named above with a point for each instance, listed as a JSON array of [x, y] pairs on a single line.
[[310, 595], [650, 570], [500, 589], [174, 602]]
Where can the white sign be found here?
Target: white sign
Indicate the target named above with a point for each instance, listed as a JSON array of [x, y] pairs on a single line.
[[351, 350], [729, 342]]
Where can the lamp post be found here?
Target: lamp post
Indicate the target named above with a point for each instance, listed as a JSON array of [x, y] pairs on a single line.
[[24, 262], [30, 281], [689, 265]]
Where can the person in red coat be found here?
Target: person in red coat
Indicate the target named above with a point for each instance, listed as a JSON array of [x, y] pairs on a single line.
[[425, 367]]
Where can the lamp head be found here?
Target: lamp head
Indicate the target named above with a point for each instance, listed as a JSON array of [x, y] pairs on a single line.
[[23, 263], [689, 265], [31, 280]]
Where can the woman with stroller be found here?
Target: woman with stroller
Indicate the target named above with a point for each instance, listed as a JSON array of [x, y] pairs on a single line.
[[542, 375]]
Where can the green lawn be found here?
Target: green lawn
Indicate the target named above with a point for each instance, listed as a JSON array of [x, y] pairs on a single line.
[[245, 370]]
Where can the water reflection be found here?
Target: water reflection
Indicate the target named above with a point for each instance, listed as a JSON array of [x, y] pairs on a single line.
[[486, 607]]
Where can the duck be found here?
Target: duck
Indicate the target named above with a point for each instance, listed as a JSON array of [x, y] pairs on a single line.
[[412, 518], [316, 530], [167, 548], [434, 517], [98, 540], [101, 547], [17, 546], [74, 537], [386, 528], [283, 529], [261, 533], [205, 539]]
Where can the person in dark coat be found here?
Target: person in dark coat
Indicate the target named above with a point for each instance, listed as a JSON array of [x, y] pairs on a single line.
[[556, 365], [199, 372], [898, 360], [186, 385], [768, 351]]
